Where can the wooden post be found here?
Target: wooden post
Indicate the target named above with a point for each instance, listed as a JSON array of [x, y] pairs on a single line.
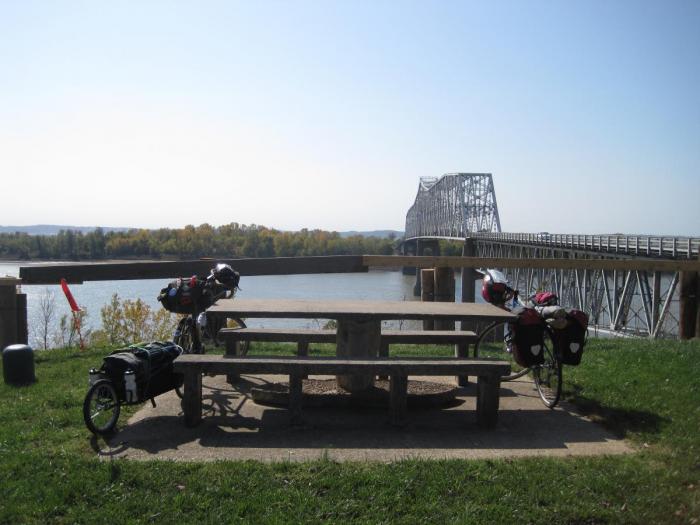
[[22, 326], [688, 318], [427, 278], [9, 334], [444, 292]]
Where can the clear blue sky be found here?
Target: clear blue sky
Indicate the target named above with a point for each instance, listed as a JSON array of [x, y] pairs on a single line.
[[325, 114]]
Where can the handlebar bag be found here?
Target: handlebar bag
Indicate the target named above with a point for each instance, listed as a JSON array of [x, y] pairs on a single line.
[[571, 339], [527, 337], [184, 294]]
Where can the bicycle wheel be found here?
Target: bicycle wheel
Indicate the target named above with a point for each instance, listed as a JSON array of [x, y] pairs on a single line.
[[243, 346], [493, 342], [101, 407], [186, 336], [547, 376]]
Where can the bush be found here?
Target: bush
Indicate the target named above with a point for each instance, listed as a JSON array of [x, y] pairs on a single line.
[[127, 322]]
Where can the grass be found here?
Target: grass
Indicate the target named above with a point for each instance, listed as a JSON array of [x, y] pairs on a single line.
[[646, 392]]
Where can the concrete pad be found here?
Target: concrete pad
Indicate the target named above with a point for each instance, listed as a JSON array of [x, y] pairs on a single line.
[[234, 427]]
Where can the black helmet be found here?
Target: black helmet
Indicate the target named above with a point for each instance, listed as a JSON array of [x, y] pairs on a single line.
[[226, 275], [496, 288]]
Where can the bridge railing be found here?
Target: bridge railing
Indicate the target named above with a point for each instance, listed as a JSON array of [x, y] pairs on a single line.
[[644, 245]]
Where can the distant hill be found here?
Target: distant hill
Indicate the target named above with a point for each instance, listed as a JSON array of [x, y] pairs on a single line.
[[53, 229], [373, 233]]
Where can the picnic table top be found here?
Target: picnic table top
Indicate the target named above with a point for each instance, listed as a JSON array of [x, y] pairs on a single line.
[[357, 309]]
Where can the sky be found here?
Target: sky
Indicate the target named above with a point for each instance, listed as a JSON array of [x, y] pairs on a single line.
[[325, 114]]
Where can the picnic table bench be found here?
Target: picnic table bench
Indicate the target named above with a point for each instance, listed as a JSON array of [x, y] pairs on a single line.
[[304, 337], [488, 372]]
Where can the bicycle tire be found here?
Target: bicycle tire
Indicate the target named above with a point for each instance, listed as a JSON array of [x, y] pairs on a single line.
[[243, 346], [186, 338], [101, 399], [492, 343], [548, 375]]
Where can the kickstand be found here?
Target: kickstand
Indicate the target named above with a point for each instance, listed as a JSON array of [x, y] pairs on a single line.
[[153, 402]]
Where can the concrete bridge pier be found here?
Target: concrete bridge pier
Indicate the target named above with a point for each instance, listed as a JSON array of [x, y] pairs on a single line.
[[409, 248], [429, 247]]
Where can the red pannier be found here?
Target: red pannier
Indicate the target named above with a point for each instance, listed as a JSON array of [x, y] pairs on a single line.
[[527, 337], [571, 339]]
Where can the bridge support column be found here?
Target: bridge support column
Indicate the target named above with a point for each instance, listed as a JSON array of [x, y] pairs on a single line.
[[409, 248], [424, 247]]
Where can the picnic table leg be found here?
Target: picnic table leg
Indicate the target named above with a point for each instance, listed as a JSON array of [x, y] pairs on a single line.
[[462, 352], [398, 397], [357, 338], [383, 354], [232, 350], [192, 397], [295, 397], [487, 397], [303, 351]]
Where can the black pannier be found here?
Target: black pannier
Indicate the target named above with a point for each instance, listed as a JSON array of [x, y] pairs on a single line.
[[527, 338], [152, 365], [571, 339], [184, 295]]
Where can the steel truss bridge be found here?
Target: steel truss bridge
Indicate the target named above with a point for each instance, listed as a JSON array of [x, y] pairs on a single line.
[[463, 206]]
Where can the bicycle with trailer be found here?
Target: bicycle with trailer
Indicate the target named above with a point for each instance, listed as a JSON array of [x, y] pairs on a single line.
[[141, 372], [545, 337]]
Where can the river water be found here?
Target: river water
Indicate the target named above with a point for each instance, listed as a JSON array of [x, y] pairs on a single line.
[[374, 285]]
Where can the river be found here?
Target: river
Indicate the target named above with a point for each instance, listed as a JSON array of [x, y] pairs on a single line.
[[374, 285]]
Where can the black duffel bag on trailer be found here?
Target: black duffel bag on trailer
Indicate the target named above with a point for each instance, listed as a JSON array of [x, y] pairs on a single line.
[[571, 339], [152, 365], [527, 337]]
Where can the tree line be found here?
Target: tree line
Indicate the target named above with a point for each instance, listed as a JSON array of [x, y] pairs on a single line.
[[190, 242]]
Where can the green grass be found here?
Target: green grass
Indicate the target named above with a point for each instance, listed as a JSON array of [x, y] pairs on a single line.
[[647, 392]]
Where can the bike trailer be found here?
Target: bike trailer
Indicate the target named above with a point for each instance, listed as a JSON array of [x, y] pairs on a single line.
[[571, 339], [141, 372], [527, 337]]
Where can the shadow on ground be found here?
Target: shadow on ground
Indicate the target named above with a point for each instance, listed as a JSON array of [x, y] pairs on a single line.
[[234, 427]]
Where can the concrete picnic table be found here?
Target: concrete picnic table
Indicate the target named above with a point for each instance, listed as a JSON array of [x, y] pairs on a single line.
[[359, 322]]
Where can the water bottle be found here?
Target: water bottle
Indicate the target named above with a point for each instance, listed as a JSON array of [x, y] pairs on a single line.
[[202, 319], [130, 386]]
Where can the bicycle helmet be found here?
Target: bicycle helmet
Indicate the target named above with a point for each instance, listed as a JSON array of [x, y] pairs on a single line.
[[226, 275], [495, 288]]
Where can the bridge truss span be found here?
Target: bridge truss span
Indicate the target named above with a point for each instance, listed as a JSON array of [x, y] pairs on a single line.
[[453, 207]]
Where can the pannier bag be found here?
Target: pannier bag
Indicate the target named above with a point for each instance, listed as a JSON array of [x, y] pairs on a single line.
[[571, 339], [527, 337], [545, 299], [184, 294], [151, 365]]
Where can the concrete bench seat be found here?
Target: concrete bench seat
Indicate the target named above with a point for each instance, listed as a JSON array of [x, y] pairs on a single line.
[[488, 372], [305, 336]]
